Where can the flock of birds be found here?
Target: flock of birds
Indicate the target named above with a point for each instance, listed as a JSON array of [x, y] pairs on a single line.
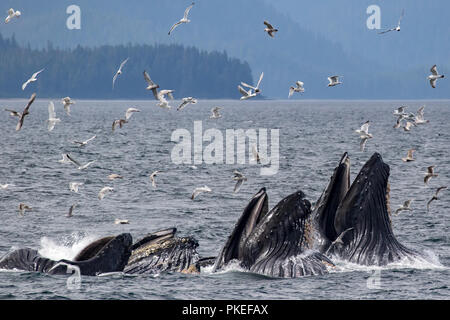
[[410, 120]]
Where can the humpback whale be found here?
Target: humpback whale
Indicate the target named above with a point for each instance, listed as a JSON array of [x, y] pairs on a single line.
[[276, 243], [361, 211], [108, 254]]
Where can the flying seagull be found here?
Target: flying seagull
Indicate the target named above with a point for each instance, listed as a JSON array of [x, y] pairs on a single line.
[[419, 118], [23, 207], [119, 71], [104, 191], [408, 126], [434, 76], [409, 156], [298, 88], [152, 178], [435, 197], [75, 185], [338, 239], [270, 29], [255, 155], [52, 120], [400, 111], [334, 81], [397, 28], [256, 89], [240, 178], [5, 186], [67, 102], [67, 158], [32, 79], [246, 94], [405, 207], [430, 174], [215, 113], [163, 103], [185, 102], [83, 143], [25, 112], [184, 19], [129, 112], [199, 190], [118, 122], [151, 85], [12, 14], [364, 135]]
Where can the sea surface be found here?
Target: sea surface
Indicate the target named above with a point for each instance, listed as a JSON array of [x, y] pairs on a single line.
[[313, 135]]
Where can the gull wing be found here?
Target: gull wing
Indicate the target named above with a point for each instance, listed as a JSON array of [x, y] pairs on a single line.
[[439, 189], [186, 12], [268, 25], [291, 91], [147, 78], [386, 31], [91, 138], [430, 169], [242, 91], [238, 185], [365, 127], [51, 110], [36, 73], [433, 83], [123, 63], [114, 78], [362, 144], [401, 17], [72, 160], [247, 85], [434, 70], [259, 81], [174, 26], [299, 84]]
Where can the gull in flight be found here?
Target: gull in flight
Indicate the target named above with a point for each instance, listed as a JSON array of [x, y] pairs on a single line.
[[151, 85], [184, 19], [119, 71], [32, 79], [121, 221], [114, 176], [104, 191], [52, 120], [408, 126], [23, 207], [364, 135], [334, 81], [83, 143], [246, 94], [419, 118], [434, 76], [12, 14], [5, 186], [75, 185], [409, 156], [255, 155], [163, 103], [298, 88], [240, 178], [256, 89], [129, 112], [405, 207], [397, 28], [199, 190], [398, 123], [215, 113], [67, 158], [400, 111], [185, 102], [338, 239], [70, 213], [152, 178], [13, 113], [430, 174], [270, 29], [118, 122], [67, 102], [435, 197], [25, 112]]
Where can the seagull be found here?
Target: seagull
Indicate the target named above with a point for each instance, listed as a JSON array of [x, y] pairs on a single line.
[[32, 79], [5, 186], [70, 213], [364, 135], [84, 166], [215, 113], [163, 103], [118, 122], [114, 176], [23, 207], [25, 112], [338, 239], [197, 191], [152, 178], [406, 206], [129, 112], [397, 28], [185, 102], [184, 19], [334, 81], [240, 178], [298, 88], [74, 186], [52, 120], [83, 143], [255, 155], [419, 119], [400, 111], [119, 71], [435, 197], [270, 29], [121, 221], [151, 85], [398, 123], [12, 14], [256, 89], [13, 113], [430, 174], [68, 159], [246, 94], [434, 76], [67, 102], [104, 191], [409, 156], [408, 126]]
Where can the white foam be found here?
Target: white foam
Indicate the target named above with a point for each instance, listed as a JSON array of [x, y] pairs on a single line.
[[67, 249], [232, 266]]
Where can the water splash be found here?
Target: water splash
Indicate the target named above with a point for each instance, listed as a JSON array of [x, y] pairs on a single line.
[[66, 248]]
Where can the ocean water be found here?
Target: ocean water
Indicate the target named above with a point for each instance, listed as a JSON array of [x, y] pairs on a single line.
[[312, 137]]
